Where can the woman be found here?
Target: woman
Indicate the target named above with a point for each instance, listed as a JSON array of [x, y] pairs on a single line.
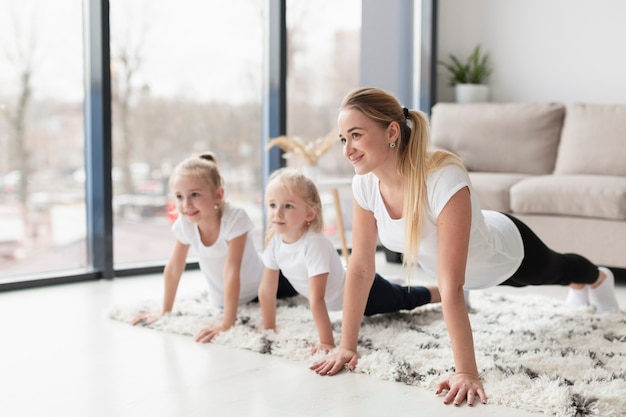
[[421, 203]]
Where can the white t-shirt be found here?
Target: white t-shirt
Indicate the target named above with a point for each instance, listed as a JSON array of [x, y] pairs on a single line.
[[495, 248], [313, 254], [235, 222]]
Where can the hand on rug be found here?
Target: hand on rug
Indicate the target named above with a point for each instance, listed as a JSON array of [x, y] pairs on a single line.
[[335, 362], [462, 386]]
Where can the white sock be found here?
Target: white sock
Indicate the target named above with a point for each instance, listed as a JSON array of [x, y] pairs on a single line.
[[577, 298], [603, 296]]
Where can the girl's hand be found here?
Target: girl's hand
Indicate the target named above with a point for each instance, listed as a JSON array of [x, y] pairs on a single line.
[[209, 333], [335, 362], [146, 318], [460, 387], [322, 347]]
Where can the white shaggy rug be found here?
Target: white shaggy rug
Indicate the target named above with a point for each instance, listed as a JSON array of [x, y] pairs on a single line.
[[532, 353]]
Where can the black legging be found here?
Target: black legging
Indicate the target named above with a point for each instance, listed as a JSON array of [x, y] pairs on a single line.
[[387, 297], [384, 297], [543, 266]]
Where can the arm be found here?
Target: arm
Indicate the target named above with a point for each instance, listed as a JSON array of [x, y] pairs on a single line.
[[317, 291], [453, 231], [171, 273], [232, 283], [267, 297], [359, 279]]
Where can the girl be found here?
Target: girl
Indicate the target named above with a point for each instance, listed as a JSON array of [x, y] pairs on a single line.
[[219, 234], [421, 202], [297, 250]]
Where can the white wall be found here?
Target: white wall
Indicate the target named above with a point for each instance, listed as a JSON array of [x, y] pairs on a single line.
[[541, 50]]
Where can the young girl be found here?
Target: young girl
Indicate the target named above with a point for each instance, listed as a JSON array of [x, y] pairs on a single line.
[[219, 233], [297, 250], [422, 203]]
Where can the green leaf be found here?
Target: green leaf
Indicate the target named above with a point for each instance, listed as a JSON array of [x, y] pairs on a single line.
[[474, 71]]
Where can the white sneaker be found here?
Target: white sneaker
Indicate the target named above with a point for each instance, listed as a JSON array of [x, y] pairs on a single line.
[[577, 298], [603, 296]]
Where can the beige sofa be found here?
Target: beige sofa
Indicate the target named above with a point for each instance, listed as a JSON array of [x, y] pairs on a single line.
[[561, 169]]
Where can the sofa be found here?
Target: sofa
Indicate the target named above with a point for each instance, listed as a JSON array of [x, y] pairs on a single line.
[[559, 168]]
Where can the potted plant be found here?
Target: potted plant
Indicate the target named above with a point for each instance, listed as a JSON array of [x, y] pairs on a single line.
[[468, 77]]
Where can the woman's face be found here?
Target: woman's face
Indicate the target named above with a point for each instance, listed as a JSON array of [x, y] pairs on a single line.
[[365, 142]]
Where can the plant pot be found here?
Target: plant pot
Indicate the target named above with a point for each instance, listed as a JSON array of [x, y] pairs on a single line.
[[312, 171], [471, 93]]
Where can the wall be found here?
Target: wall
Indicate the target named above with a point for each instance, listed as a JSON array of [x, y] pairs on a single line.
[[541, 50], [388, 41]]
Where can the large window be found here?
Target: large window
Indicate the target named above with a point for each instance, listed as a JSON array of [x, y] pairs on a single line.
[[42, 206]]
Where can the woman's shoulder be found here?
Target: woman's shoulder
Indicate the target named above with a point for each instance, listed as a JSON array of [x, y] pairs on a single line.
[[367, 180], [364, 187], [447, 172]]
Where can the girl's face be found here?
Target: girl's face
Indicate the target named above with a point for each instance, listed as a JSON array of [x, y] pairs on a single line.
[[195, 199], [365, 142], [288, 214]]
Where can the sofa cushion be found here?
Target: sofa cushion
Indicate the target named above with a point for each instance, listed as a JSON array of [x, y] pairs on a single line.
[[500, 137], [593, 140], [493, 189], [595, 196]]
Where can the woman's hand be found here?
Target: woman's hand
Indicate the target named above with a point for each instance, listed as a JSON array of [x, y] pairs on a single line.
[[146, 318], [322, 347], [335, 362], [461, 387], [208, 334]]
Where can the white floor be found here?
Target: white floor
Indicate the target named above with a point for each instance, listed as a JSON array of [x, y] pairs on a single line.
[[61, 356]]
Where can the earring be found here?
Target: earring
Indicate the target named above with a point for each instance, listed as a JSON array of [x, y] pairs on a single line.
[[392, 145], [216, 207]]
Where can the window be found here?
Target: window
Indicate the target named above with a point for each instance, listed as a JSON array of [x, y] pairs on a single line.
[[42, 199]]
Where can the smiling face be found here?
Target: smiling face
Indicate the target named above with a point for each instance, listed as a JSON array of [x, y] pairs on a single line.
[[366, 144], [196, 199], [287, 213]]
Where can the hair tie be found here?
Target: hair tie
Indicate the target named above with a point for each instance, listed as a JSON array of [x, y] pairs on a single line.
[[406, 112]]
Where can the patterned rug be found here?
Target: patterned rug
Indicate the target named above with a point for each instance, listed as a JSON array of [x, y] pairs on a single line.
[[532, 353]]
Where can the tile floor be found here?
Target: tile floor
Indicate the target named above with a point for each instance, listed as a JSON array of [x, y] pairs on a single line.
[[61, 356]]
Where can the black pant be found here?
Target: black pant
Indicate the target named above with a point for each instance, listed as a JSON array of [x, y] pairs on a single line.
[[285, 289], [387, 297], [543, 266]]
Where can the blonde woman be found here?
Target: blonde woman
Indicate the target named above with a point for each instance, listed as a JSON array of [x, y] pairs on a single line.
[[421, 203]]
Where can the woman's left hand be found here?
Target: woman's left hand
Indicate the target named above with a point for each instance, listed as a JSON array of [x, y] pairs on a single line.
[[462, 387]]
